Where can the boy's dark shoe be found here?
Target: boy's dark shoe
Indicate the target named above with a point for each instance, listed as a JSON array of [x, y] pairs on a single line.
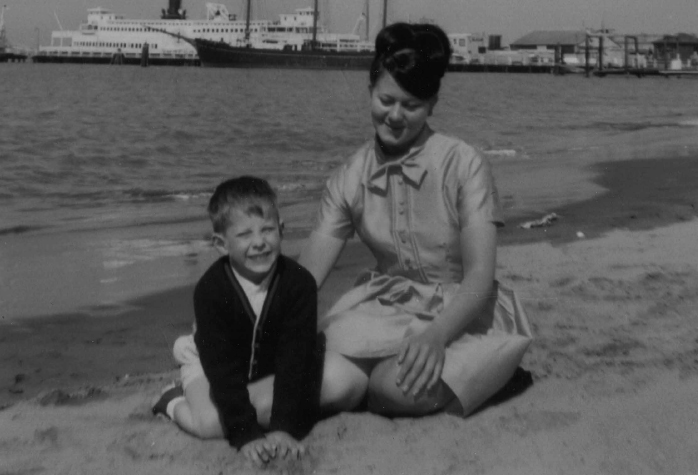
[[168, 394]]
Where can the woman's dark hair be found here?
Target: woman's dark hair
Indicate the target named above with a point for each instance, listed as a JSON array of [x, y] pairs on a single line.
[[415, 55]]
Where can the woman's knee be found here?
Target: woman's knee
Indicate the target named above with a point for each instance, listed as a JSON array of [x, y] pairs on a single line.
[[344, 383], [385, 396]]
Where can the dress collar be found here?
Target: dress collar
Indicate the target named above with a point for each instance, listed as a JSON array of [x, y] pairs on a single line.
[[414, 149], [409, 164]]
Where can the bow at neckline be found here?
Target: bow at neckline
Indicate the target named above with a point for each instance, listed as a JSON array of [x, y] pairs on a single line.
[[412, 171], [409, 166]]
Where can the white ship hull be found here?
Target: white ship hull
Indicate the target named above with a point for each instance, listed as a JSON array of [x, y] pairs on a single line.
[[106, 34]]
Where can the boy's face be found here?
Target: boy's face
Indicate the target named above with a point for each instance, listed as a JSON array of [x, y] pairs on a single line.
[[252, 242]]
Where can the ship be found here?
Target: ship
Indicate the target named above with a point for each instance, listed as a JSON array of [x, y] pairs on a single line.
[[106, 37], [293, 42]]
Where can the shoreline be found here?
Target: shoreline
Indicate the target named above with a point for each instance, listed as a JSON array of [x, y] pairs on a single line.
[[135, 337], [640, 194], [614, 362]]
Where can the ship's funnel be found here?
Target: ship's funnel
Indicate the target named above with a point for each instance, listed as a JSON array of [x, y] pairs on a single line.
[[174, 11]]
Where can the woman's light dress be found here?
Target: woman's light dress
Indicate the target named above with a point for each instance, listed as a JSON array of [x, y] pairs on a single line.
[[410, 213]]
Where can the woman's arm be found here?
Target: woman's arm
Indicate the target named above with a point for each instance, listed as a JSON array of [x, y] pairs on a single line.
[[479, 253], [320, 254], [421, 356]]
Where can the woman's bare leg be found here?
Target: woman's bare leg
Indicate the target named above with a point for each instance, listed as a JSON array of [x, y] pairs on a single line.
[[344, 382], [344, 385], [385, 396]]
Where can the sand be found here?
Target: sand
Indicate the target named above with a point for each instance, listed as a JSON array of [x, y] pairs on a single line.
[[614, 363]]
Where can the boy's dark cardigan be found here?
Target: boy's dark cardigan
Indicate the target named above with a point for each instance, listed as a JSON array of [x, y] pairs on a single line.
[[286, 346]]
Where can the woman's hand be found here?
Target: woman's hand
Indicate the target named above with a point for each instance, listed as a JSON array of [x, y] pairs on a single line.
[[421, 361]]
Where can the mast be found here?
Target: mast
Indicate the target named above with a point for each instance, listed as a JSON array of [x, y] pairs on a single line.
[[385, 13], [3, 38], [247, 21], [367, 9], [173, 12], [312, 45]]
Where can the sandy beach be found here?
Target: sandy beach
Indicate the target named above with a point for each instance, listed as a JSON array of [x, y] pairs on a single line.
[[611, 289]]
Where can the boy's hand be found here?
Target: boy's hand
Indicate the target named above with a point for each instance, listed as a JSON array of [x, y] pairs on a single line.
[[259, 451], [285, 445]]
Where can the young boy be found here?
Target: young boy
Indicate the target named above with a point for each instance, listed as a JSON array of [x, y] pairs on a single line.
[[252, 364]]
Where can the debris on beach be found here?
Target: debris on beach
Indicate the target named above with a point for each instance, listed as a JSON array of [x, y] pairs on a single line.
[[58, 397], [546, 220]]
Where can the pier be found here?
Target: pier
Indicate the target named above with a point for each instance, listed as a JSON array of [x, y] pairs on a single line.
[[502, 68], [12, 58], [671, 67]]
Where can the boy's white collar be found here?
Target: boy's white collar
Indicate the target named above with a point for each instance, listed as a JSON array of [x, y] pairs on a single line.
[[248, 285]]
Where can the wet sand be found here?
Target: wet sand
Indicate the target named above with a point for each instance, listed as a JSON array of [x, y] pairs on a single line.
[[614, 363]]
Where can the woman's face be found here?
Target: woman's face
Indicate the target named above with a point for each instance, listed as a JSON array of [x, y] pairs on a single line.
[[397, 115]]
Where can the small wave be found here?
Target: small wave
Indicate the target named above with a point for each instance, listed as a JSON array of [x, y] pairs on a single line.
[[291, 187], [190, 196], [158, 196], [20, 229], [633, 126], [625, 126], [322, 166], [501, 153], [116, 264], [126, 253]]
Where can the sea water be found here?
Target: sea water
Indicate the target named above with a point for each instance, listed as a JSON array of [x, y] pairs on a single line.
[[107, 168]]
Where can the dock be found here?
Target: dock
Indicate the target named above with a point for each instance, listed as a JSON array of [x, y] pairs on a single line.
[[691, 73], [639, 72], [501, 68], [12, 58]]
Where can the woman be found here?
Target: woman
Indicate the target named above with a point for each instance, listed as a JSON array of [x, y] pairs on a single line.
[[428, 328]]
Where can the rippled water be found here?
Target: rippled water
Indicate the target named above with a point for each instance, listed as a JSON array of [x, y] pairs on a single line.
[[105, 171], [92, 146]]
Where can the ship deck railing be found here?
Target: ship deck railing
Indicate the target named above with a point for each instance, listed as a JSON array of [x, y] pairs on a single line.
[[131, 54]]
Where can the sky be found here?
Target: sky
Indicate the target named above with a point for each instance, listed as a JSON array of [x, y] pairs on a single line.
[[29, 22]]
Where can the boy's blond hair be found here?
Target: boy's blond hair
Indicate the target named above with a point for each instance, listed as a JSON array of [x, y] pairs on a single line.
[[250, 193]]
